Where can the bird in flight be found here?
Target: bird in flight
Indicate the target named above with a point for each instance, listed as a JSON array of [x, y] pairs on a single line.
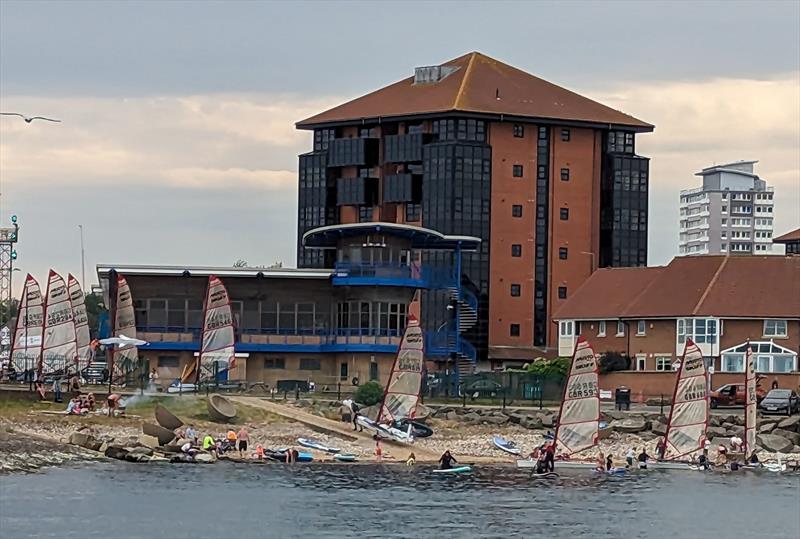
[[28, 120]]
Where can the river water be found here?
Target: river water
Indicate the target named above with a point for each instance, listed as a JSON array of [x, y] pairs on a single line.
[[239, 501]]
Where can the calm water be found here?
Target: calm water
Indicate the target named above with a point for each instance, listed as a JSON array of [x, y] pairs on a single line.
[[120, 500]]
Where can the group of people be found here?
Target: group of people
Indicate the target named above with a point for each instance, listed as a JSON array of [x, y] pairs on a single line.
[[81, 404]]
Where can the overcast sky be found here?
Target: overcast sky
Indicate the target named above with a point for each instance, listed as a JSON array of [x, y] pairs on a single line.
[[178, 146]]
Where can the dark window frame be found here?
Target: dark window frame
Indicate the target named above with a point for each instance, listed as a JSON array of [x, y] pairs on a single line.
[[517, 171], [565, 174], [563, 214], [516, 250], [516, 210], [565, 134], [310, 364], [518, 130], [563, 253], [562, 292], [275, 363], [516, 290], [514, 330]]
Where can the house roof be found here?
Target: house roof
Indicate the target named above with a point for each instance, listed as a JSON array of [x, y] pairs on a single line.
[[794, 235], [720, 286], [480, 85]]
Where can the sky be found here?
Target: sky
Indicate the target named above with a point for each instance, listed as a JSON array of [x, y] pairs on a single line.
[[177, 143]]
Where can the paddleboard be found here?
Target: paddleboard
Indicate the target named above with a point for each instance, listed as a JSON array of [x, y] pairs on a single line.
[[505, 445], [612, 471], [457, 469], [319, 446], [345, 458], [546, 475], [302, 456]]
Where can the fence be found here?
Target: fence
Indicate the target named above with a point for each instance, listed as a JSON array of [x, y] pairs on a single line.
[[509, 388]]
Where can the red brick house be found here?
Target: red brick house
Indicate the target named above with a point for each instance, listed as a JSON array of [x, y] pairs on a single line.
[[720, 302]]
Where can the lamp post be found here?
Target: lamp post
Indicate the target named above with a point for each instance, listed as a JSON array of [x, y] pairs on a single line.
[[83, 262]]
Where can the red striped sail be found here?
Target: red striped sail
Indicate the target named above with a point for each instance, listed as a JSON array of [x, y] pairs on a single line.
[[579, 416], [124, 360], [81, 320], [27, 345], [405, 381], [688, 416], [218, 340], [59, 346]]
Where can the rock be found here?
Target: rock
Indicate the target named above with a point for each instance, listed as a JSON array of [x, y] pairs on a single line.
[[630, 425], [775, 443], [158, 459], [714, 421], [735, 431], [181, 458], [450, 416], [517, 418], [140, 451], [605, 433], [423, 413], [116, 452], [148, 441], [728, 426], [204, 458], [766, 428], [647, 436], [716, 432], [656, 418], [472, 417], [659, 429], [137, 457], [80, 438], [790, 423], [658, 401], [788, 434], [549, 421], [531, 422], [612, 415], [496, 419], [732, 419]]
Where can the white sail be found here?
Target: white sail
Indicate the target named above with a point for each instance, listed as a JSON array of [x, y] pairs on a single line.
[[751, 403], [688, 416], [59, 347], [27, 344], [81, 320], [405, 381], [579, 416], [125, 359], [217, 344]]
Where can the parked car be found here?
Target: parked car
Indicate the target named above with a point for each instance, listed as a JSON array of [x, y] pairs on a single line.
[[780, 401], [732, 395]]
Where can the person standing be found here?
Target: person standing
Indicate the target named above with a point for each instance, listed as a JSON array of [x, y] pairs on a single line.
[[643, 457], [355, 408], [57, 390], [661, 448], [630, 456], [191, 435], [242, 437], [153, 386]]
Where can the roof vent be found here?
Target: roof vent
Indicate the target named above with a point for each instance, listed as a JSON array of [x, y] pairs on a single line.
[[432, 74]]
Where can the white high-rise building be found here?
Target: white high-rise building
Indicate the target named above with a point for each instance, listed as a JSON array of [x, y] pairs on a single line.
[[731, 213]]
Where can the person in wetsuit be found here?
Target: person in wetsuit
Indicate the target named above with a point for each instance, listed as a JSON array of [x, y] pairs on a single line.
[[446, 461], [550, 456], [643, 457], [609, 463]]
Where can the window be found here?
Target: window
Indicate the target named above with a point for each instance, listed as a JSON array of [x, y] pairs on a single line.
[[516, 210], [641, 327], [564, 174], [343, 370], [310, 364], [169, 362], [517, 171], [620, 328], [724, 221], [516, 250], [724, 209], [564, 214], [774, 328], [664, 363], [513, 330], [601, 328], [562, 253], [373, 371], [519, 130], [364, 214], [565, 329], [723, 246], [641, 362], [516, 290], [274, 363], [768, 357], [700, 330], [723, 235], [565, 135], [562, 292], [413, 212]]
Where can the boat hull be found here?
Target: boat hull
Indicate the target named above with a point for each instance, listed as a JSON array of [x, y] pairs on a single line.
[[167, 419], [391, 433], [220, 408], [560, 464], [456, 470], [164, 436], [504, 445]]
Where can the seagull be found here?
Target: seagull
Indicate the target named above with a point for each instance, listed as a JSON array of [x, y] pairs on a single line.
[[28, 120], [123, 342]]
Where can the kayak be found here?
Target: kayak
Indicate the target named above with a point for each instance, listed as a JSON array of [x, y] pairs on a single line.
[[546, 475], [612, 471], [506, 445], [280, 455], [345, 457], [458, 469], [319, 446]]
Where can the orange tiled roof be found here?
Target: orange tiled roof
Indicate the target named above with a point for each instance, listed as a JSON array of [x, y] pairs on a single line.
[[723, 286], [794, 235], [479, 85]]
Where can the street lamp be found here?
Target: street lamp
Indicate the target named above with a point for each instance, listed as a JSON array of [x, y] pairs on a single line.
[[83, 262]]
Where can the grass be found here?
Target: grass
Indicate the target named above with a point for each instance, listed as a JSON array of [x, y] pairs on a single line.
[[193, 408]]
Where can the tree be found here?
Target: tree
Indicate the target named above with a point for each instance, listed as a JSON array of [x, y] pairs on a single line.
[[550, 367], [240, 263], [8, 311], [369, 393], [614, 361]]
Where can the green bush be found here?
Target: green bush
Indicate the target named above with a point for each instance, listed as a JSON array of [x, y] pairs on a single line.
[[614, 361], [369, 393], [550, 367]]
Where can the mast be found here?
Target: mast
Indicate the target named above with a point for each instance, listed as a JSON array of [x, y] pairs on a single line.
[[401, 396], [688, 415], [750, 404], [579, 413]]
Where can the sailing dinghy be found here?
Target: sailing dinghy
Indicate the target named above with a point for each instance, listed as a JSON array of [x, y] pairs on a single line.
[[78, 301], [750, 405], [579, 415], [59, 346], [688, 416], [27, 344], [402, 391], [124, 358]]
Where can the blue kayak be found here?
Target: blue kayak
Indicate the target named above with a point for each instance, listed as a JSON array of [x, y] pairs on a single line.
[[345, 458], [458, 469], [506, 445]]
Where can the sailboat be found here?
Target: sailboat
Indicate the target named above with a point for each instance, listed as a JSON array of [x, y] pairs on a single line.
[[579, 414], [688, 416], [78, 301], [27, 344], [217, 340], [59, 345], [123, 359], [402, 391], [750, 404]]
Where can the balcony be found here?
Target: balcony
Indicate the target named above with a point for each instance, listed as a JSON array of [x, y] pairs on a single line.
[[404, 148], [389, 274], [344, 152]]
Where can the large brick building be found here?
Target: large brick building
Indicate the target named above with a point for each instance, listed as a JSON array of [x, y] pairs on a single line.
[[720, 302], [549, 181]]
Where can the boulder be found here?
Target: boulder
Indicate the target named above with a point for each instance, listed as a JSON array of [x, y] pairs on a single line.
[[531, 422], [150, 441], [612, 415], [732, 419], [656, 418], [517, 418], [496, 419], [728, 426], [790, 423], [140, 451], [472, 417], [423, 413], [137, 457], [714, 421], [659, 429], [631, 425], [205, 458], [775, 443], [181, 458], [80, 438], [735, 431], [605, 433], [716, 432], [115, 452], [450, 415], [788, 434], [647, 436], [549, 421], [766, 428]]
